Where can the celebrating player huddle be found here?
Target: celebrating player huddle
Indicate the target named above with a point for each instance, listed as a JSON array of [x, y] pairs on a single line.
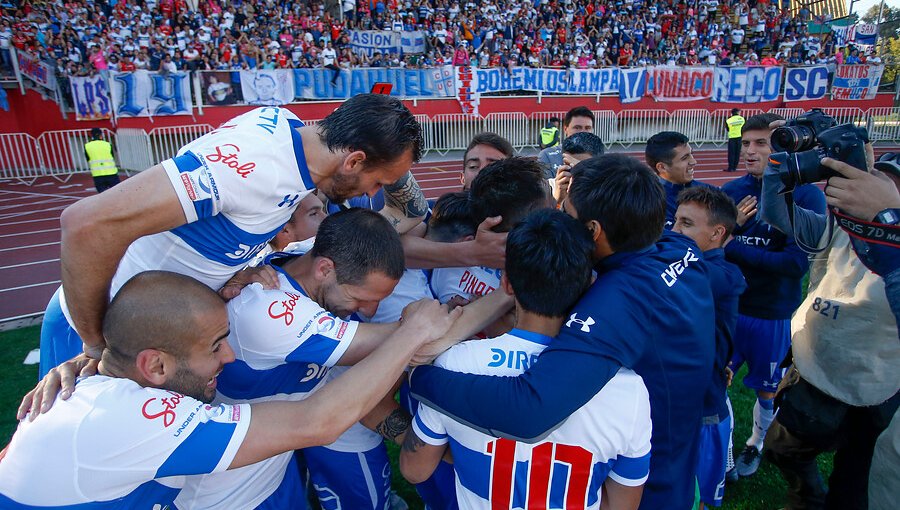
[[599, 375]]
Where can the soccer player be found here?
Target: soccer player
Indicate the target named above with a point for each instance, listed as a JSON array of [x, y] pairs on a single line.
[[576, 120], [509, 188], [648, 310], [708, 216], [287, 339], [210, 209], [773, 266], [132, 435], [669, 154], [484, 149], [605, 444]]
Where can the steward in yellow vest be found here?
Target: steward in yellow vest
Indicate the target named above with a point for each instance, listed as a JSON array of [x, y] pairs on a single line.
[[101, 161], [550, 133]]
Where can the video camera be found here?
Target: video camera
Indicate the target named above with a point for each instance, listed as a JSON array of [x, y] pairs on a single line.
[[806, 140]]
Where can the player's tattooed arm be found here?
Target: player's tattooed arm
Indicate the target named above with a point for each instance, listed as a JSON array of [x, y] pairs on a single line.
[[395, 425], [406, 196], [412, 443]]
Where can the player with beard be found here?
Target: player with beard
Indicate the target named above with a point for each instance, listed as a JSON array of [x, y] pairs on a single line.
[[134, 434]]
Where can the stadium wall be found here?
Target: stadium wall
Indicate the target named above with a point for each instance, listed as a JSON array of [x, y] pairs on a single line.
[[34, 115]]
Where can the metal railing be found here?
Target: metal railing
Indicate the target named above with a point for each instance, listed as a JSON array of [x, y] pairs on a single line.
[[61, 153]]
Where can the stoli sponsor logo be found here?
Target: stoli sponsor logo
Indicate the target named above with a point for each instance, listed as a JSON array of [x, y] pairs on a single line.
[[284, 309], [162, 408], [228, 155]]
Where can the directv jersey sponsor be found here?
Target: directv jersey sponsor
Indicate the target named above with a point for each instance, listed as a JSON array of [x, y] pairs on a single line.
[[151, 440], [607, 437], [284, 344], [465, 282]]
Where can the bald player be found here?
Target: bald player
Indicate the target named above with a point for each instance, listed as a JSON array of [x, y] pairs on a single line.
[[129, 434]]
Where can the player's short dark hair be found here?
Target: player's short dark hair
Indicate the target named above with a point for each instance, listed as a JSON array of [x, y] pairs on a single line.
[[359, 242], [718, 205], [548, 262], [584, 143], [491, 140], [578, 111], [451, 218], [622, 195], [376, 124], [511, 188], [661, 147], [760, 121]]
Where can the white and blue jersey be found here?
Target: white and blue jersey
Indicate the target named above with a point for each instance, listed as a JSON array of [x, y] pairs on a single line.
[[607, 437], [465, 282], [237, 186], [115, 444], [284, 344]]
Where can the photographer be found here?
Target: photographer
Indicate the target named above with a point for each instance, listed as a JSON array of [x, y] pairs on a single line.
[[842, 390]]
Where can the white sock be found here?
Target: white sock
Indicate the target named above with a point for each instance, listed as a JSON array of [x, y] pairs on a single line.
[[762, 419]]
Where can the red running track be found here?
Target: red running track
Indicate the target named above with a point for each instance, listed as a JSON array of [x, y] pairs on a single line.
[[29, 225]]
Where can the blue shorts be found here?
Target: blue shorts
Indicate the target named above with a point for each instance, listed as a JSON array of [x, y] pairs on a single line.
[[763, 344], [345, 480], [714, 439], [290, 494], [59, 341], [439, 491]]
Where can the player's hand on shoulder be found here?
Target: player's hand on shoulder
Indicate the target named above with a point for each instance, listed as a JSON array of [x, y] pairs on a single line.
[[429, 319], [264, 275], [59, 381]]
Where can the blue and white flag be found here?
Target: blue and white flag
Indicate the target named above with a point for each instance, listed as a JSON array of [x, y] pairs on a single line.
[[843, 35], [751, 84], [146, 94], [412, 42], [91, 97], [805, 83], [632, 84], [369, 41], [866, 33]]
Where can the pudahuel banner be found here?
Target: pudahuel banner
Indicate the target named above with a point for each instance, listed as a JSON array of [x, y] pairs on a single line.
[[146, 94], [90, 94], [409, 83]]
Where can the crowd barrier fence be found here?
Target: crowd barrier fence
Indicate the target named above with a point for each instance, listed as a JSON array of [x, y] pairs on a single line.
[[60, 154]]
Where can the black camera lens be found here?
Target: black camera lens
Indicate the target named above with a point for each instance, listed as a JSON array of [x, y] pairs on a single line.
[[793, 139]]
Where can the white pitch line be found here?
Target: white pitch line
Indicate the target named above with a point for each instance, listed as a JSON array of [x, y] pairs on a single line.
[[30, 286], [29, 246], [29, 233], [30, 263], [52, 195], [18, 215], [52, 218], [30, 204]]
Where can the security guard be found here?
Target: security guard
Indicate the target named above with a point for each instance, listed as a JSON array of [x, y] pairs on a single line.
[[734, 123], [550, 133], [100, 158]]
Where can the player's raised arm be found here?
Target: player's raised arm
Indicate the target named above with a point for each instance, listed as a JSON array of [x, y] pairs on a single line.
[[277, 427], [97, 230]]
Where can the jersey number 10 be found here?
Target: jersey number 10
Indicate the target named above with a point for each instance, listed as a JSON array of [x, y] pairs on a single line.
[[538, 482]]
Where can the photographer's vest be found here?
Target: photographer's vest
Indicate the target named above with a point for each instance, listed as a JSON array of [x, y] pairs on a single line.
[[547, 135], [843, 335], [100, 158], [735, 123]]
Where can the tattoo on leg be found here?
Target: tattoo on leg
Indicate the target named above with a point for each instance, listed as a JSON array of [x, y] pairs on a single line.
[[395, 424], [406, 195]]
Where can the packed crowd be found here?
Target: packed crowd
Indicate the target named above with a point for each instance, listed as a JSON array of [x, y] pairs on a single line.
[[83, 37]]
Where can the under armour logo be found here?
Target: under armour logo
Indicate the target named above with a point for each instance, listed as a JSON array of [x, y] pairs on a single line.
[[585, 324], [288, 200]]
